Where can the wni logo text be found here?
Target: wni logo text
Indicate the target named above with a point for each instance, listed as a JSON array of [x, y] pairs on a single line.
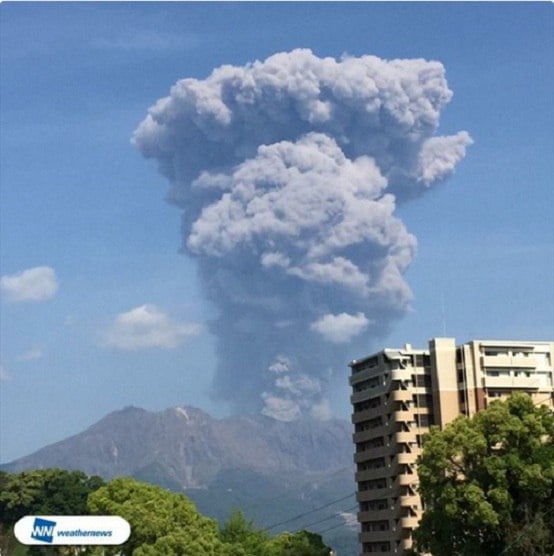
[[43, 530], [47, 530]]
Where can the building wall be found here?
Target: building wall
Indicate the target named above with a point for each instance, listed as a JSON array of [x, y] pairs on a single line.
[[444, 379], [398, 393]]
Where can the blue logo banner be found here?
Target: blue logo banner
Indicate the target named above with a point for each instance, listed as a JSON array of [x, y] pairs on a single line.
[[43, 530]]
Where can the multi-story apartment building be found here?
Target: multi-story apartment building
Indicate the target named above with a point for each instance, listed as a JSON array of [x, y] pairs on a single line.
[[399, 393]]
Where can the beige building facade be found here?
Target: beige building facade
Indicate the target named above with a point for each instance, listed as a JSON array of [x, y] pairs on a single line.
[[397, 394]]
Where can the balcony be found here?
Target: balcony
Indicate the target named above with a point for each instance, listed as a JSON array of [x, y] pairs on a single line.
[[369, 474], [409, 522], [370, 453], [406, 458], [404, 437], [373, 494], [375, 536], [519, 382], [367, 414], [401, 395], [369, 393], [406, 480], [404, 416], [374, 452], [505, 360], [375, 515], [363, 436], [403, 374], [365, 374], [382, 430], [406, 544], [410, 501]]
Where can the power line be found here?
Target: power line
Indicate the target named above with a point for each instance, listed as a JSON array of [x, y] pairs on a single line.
[[327, 518], [300, 487], [331, 528], [269, 527], [540, 402]]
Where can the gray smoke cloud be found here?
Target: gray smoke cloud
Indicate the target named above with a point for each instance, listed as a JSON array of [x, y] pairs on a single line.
[[288, 173]]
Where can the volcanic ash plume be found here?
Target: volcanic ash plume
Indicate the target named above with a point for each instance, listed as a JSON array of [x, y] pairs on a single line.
[[288, 172]]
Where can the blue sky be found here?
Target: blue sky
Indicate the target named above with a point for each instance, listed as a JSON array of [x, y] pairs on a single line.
[[78, 198]]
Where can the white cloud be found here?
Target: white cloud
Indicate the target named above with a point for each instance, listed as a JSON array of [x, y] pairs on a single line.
[[281, 365], [350, 519], [34, 284], [338, 271], [340, 328], [300, 385], [282, 409], [293, 394], [439, 156], [270, 260], [321, 410], [147, 327]]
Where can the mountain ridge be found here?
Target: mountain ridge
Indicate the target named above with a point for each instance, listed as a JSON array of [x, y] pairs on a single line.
[[270, 469], [192, 447]]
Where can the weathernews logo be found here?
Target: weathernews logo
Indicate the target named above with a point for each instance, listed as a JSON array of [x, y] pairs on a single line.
[[72, 530], [43, 530]]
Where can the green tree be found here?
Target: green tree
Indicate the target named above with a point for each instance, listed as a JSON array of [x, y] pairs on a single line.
[[301, 543], [243, 535], [487, 483], [46, 492], [163, 523], [41, 492]]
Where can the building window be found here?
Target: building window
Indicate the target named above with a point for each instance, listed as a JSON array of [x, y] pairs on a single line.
[[382, 525], [368, 425], [375, 463], [407, 490], [401, 384], [425, 420], [423, 381], [374, 505], [404, 448], [493, 351], [423, 400], [373, 484], [369, 364], [367, 404], [369, 383], [497, 371], [376, 546], [406, 469], [373, 443], [459, 356], [402, 427]]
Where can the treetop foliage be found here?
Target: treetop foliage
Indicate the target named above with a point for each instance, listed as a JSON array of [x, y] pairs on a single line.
[[163, 523], [487, 483]]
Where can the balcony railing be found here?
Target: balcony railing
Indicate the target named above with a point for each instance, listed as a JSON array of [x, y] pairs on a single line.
[[372, 494], [369, 393], [505, 360], [401, 395], [409, 522], [528, 382]]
